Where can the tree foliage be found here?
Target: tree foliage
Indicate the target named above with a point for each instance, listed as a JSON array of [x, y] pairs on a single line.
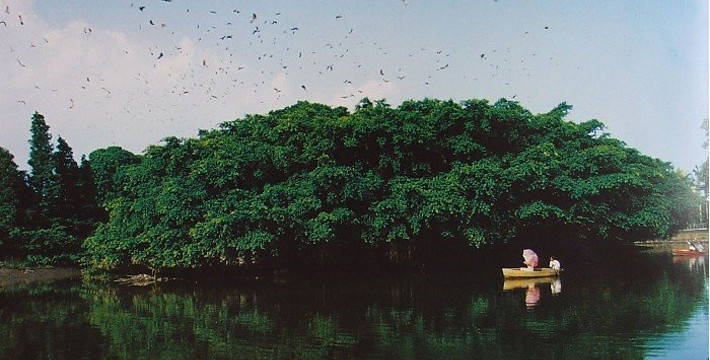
[[43, 179], [47, 214], [310, 179], [11, 190], [701, 175]]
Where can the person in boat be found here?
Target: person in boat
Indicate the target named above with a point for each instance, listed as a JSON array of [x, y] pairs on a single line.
[[529, 259], [699, 247], [555, 264], [691, 246]]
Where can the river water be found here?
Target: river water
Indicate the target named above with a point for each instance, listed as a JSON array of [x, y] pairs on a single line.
[[651, 306]]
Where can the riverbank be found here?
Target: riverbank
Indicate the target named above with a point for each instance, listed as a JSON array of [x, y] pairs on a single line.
[[679, 241], [14, 276]]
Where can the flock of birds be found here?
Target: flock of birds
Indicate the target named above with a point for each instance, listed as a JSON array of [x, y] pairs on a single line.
[[251, 50]]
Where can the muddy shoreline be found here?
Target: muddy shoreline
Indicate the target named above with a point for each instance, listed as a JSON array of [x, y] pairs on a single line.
[[14, 276]]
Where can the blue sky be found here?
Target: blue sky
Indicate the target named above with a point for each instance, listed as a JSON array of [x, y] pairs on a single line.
[[94, 68]]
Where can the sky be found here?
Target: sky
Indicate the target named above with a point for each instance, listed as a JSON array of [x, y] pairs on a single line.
[[129, 73]]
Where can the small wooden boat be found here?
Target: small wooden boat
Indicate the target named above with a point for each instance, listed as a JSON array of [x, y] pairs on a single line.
[[687, 252], [525, 273]]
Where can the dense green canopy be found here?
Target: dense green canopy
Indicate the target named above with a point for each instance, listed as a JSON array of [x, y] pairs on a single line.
[[310, 178]]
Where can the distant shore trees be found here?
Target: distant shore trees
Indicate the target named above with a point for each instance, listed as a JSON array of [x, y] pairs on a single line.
[[53, 208], [310, 183]]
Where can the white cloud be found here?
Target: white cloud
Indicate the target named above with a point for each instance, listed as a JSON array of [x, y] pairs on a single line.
[[99, 87]]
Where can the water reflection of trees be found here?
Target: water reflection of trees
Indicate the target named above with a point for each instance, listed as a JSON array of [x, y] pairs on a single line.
[[46, 321], [436, 318], [316, 323]]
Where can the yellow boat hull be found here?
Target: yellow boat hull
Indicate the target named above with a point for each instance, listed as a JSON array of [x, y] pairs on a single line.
[[523, 273]]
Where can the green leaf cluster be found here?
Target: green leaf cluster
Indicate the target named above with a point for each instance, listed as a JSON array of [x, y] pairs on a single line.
[[310, 179], [46, 213]]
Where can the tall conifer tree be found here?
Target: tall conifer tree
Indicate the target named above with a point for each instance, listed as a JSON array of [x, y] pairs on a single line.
[[67, 172], [9, 201], [87, 207], [43, 180]]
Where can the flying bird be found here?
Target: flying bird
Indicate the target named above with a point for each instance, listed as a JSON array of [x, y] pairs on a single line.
[[21, 64], [160, 56], [253, 17], [382, 72], [141, 8], [21, 22], [303, 87]]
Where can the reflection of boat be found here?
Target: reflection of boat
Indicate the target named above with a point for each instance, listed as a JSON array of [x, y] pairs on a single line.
[[524, 273], [687, 252], [532, 296], [523, 283]]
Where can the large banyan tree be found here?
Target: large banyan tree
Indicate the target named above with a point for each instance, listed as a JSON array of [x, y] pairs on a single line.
[[311, 179]]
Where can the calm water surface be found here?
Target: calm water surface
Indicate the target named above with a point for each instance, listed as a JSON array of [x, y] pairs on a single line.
[[651, 306]]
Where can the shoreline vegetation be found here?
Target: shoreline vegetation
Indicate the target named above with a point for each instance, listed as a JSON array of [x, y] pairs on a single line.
[[427, 183], [15, 273]]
